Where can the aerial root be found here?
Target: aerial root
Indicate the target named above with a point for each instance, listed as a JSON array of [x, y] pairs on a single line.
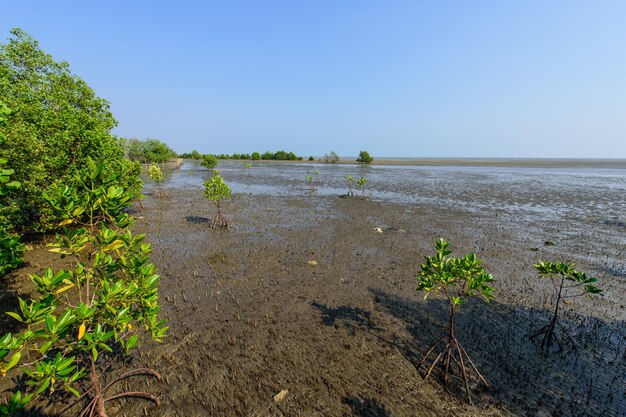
[[453, 360]]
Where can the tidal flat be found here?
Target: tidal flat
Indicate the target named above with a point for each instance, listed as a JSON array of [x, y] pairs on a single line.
[[251, 315]]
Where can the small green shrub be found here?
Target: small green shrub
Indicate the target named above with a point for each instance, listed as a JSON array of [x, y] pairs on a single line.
[[350, 183], [360, 185], [156, 175], [216, 191], [364, 157], [209, 161], [458, 279], [570, 283], [81, 319]]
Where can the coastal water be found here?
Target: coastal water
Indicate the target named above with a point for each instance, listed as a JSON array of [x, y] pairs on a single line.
[[527, 190]]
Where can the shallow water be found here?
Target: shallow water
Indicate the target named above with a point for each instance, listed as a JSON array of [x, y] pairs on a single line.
[[541, 191]]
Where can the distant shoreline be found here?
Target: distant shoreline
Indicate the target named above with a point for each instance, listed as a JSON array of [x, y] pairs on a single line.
[[479, 162], [593, 163], [506, 162]]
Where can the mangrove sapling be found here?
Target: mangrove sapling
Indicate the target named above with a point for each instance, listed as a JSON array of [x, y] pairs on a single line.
[[309, 182], [83, 318], [209, 161], [360, 185], [350, 183], [216, 190], [458, 279], [567, 283], [156, 175]]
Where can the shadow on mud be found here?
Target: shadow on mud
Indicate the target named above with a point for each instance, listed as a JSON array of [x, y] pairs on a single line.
[[351, 318], [197, 220], [366, 407], [588, 381]]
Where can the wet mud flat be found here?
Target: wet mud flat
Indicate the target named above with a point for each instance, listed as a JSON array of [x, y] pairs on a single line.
[[251, 317]]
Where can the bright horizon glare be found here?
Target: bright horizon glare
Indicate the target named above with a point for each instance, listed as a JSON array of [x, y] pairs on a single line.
[[403, 78]]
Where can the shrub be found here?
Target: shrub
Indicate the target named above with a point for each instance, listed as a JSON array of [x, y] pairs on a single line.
[[350, 184], [84, 317], [364, 157], [11, 250], [209, 161], [331, 157], [216, 190], [360, 185], [148, 151], [458, 279], [156, 175], [570, 284], [255, 156], [57, 123]]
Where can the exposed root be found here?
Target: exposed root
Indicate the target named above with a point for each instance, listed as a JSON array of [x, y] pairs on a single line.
[[219, 221], [159, 192], [96, 394], [551, 338], [453, 360]]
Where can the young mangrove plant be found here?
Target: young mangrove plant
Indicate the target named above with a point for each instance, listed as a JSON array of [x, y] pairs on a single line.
[[216, 190], [360, 185], [309, 182], [350, 184], [80, 320], [156, 175], [458, 279], [312, 179], [567, 283], [209, 161]]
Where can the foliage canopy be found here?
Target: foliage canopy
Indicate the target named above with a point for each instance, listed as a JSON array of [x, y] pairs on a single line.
[[93, 309], [56, 122], [364, 157], [148, 151]]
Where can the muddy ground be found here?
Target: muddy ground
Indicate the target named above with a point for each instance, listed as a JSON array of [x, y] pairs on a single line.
[[251, 317]]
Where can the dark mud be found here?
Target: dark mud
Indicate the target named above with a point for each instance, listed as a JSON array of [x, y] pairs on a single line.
[[250, 316]]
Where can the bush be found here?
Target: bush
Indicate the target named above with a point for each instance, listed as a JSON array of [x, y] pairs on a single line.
[[458, 279], [216, 190], [364, 157], [255, 156], [209, 161], [96, 309], [11, 250], [331, 157], [57, 123], [570, 283], [148, 151]]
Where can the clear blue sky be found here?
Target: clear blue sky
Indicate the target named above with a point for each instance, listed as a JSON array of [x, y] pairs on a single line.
[[398, 78]]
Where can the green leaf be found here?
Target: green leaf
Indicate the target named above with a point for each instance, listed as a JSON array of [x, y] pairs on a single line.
[[14, 360], [44, 386], [15, 316]]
